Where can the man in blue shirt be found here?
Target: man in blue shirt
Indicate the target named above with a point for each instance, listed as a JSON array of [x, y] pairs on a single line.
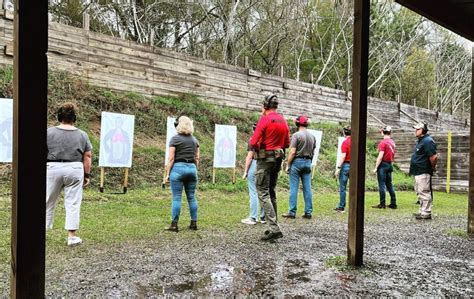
[[422, 165]]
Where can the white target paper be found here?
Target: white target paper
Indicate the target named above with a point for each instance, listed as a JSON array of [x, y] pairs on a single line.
[[319, 136], [170, 132], [116, 140], [6, 129], [225, 144]]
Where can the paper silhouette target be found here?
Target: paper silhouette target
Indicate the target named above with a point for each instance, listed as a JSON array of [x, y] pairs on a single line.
[[319, 136], [225, 144], [6, 130], [116, 140], [170, 132]]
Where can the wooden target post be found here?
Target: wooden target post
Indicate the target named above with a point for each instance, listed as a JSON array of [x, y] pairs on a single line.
[[124, 184]]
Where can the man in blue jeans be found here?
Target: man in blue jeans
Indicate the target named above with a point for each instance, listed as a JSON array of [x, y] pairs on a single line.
[[302, 147], [342, 170], [384, 169]]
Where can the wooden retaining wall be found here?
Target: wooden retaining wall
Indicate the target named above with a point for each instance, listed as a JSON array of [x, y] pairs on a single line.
[[123, 65]]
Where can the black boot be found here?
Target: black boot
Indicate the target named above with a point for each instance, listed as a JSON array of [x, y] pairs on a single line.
[[173, 227], [193, 225]]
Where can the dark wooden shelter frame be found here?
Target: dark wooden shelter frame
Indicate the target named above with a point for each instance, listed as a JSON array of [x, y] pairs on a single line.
[[30, 117]]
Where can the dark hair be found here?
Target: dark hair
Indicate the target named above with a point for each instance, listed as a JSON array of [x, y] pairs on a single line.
[[270, 102], [67, 113], [347, 131]]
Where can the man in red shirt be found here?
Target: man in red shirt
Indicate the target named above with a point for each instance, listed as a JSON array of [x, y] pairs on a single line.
[[269, 141], [342, 171], [384, 168]]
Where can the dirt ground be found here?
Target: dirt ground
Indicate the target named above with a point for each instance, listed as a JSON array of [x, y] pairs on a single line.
[[403, 257]]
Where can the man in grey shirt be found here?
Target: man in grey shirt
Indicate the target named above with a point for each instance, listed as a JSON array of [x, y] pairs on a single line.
[[302, 147]]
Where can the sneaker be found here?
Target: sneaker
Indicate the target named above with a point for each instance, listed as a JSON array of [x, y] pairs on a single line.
[[288, 215], [73, 241], [262, 220], [271, 236], [379, 206], [249, 220], [423, 217], [390, 206], [307, 216], [339, 210]]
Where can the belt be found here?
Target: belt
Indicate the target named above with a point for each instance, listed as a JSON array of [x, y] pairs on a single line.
[[185, 160], [389, 162], [305, 157], [61, 161], [346, 162]]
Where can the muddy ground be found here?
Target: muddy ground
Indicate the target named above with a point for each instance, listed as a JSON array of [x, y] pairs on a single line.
[[403, 257]]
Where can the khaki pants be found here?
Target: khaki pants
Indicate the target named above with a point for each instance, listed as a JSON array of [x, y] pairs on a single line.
[[265, 179], [424, 193]]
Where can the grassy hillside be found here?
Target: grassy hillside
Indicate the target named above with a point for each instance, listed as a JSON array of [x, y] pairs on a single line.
[[150, 133]]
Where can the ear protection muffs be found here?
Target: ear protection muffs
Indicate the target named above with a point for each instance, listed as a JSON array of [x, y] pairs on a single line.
[[176, 121], [301, 121], [270, 101], [424, 130], [347, 131]]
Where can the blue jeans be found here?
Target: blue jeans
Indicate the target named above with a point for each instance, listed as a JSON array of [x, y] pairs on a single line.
[[300, 168], [183, 175], [343, 178], [384, 177], [253, 191]]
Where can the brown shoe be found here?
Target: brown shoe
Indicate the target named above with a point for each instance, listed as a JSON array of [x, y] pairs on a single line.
[[423, 217], [379, 206], [288, 215], [173, 227]]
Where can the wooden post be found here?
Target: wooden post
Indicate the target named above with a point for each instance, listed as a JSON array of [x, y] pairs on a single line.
[[355, 242], [282, 71], [470, 209], [102, 174], [233, 176], [398, 103], [152, 38], [313, 170], [414, 102], [448, 165], [246, 62], [311, 77], [125, 181], [85, 21], [30, 87], [213, 175]]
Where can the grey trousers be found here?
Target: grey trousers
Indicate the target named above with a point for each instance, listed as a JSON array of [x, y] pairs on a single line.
[[69, 176], [423, 191]]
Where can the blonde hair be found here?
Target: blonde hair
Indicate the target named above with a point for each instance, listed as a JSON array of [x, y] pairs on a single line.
[[185, 126]]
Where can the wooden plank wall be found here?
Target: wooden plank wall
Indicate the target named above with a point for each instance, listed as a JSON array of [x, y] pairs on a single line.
[[459, 182], [123, 65]]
